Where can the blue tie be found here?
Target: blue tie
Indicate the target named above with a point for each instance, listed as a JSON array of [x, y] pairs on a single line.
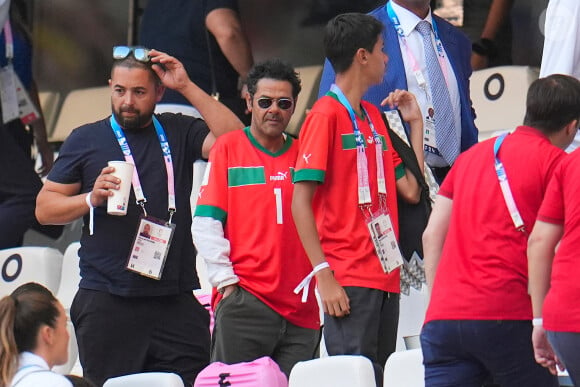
[[445, 135]]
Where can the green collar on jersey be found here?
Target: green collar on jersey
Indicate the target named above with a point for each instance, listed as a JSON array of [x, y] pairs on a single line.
[[287, 143]]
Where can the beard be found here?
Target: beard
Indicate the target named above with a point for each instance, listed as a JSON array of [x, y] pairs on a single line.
[[137, 121]]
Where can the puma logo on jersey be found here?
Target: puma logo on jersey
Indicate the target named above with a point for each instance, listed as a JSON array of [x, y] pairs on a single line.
[[306, 157], [370, 139], [279, 176]]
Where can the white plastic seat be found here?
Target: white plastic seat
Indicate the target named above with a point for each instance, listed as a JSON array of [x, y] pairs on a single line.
[[70, 275], [405, 369], [30, 264], [177, 108], [499, 97], [49, 103], [146, 379], [335, 371], [81, 107], [310, 79], [73, 351], [69, 284]]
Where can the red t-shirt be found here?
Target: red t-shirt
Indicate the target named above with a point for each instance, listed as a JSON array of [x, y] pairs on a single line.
[[249, 189], [561, 310], [483, 271], [328, 155]]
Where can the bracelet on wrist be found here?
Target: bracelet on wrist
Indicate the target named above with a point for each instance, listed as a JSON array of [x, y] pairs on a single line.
[[485, 47], [88, 200], [537, 321]]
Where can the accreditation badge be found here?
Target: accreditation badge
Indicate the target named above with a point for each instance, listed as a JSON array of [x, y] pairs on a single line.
[[150, 247], [8, 94], [429, 139], [385, 242]]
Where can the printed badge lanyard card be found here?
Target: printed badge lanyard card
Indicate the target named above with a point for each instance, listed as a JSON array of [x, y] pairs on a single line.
[[385, 244], [149, 254], [16, 102], [430, 144]]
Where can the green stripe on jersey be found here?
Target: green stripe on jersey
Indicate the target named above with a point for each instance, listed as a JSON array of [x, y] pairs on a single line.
[[400, 171], [349, 142], [309, 175], [211, 212], [241, 176]]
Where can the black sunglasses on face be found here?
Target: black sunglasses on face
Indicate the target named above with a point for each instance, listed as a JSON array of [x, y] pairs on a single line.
[[283, 103], [139, 53]]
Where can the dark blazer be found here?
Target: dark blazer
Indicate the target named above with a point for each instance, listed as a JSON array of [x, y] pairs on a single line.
[[458, 48]]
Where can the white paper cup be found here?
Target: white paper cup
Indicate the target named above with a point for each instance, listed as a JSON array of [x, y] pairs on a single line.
[[117, 204], [412, 342]]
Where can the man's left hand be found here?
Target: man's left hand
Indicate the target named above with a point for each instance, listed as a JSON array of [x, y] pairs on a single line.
[[169, 70]]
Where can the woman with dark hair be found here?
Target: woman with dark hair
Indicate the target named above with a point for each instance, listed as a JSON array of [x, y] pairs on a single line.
[[33, 338]]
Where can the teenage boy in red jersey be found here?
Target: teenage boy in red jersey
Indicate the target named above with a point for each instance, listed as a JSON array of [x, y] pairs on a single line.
[[346, 181], [478, 324], [244, 230]]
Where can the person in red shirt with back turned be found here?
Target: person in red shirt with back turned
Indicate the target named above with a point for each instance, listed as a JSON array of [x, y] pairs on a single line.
[[479, 320]]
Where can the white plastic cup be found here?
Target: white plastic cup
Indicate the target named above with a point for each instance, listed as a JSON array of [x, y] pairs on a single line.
[[117, 204], [412, 342]]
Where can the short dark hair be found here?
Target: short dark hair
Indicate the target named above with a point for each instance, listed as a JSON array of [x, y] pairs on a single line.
[[131, 62], [273, 69], [552, 103], [346, 34]]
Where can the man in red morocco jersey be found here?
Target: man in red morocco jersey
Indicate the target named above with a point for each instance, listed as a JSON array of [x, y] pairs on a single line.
[[340, 193], [243, 228], [478, 324]]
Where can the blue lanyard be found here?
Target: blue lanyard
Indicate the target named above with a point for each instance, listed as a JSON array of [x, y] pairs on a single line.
[[364, 191], [122, 140], [395, 19], [357, 134], [504, 185]]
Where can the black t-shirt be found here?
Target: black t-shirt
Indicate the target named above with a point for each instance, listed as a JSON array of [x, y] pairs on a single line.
[[103, 256], [179, 30]]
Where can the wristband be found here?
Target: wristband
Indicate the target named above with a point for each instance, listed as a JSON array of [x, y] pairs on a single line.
[[91, 213], [485, 47], [305, 284], [88, 200], [537, 321]]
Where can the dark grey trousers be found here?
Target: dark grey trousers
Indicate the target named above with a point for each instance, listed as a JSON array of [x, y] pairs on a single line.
[[246, 329], [370, 329]]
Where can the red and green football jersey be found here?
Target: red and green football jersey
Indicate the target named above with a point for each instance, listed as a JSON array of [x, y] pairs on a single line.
[[249, 190], [328, 155]]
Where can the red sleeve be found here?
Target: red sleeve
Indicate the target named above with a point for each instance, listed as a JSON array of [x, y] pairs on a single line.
[[446, 188], [212, 200], [316, 137], [552, 208]]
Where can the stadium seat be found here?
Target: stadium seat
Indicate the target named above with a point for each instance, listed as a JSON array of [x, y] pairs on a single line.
[[310, 80], [20, 265], [336, 371], [81, 107], [146, 379], [73, 351], [69, 284], [49, 103], [499, 97], [177, 108], [70, 275], [405, 368]]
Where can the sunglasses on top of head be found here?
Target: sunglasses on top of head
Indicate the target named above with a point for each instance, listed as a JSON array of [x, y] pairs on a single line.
[[139, 53], [283, 103]]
